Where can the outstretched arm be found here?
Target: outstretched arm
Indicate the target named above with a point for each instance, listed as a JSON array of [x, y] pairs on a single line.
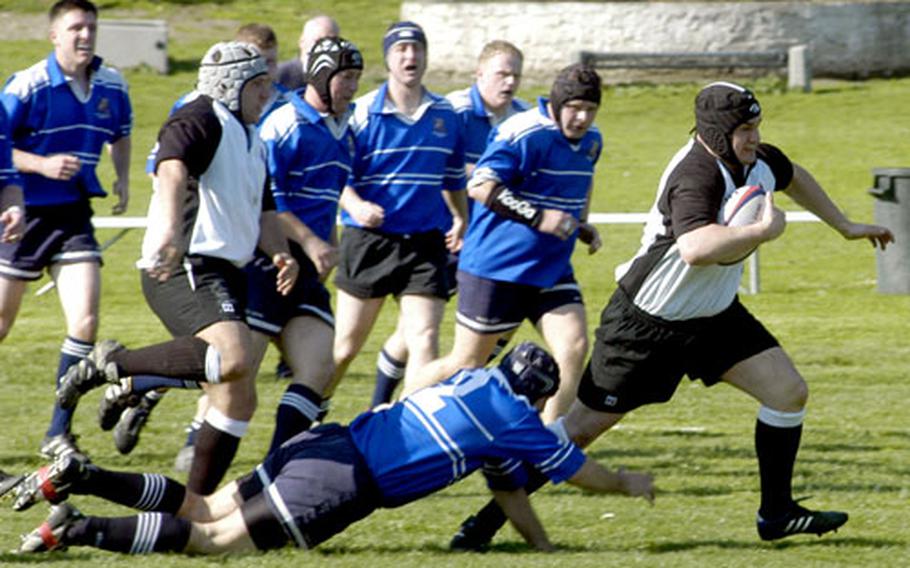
[[807, 192], [517, 507], [594, 477]]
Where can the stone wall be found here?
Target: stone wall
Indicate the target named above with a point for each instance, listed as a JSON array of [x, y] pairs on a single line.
[[845, 39]]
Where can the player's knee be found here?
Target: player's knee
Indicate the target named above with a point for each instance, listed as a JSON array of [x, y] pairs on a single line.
[[791, 396], [84, 327]]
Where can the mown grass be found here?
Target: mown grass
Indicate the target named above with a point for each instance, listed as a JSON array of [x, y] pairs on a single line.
[[818, 296]]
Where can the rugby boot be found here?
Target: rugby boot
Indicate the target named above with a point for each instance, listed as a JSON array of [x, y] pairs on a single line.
[[93, 371], [800, 520], [50, 534], [50, 483]]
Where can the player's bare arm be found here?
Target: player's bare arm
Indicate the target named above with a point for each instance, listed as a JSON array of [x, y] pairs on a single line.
[[594, 477], [12, 216], [807, 192], [323, 255], [366, 213], [517, 507], [172, 181], [56, 166], [457, 204], [273, 242], [120, 152], [719, 244]]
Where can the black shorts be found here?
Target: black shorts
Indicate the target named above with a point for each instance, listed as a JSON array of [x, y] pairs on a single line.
[[315, 485], [57, 234], [639, 359], [268, 312], [375, 265], [202, 291], [491, 306]]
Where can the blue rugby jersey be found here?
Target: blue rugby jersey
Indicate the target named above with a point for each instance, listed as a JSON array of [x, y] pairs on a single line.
[[404, 165], [530, 155], [441, 434], [309, 163], [46, 117], [8, 173], [477, 121]]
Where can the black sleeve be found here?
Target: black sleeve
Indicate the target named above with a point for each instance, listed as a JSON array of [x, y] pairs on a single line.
[[694, 194], [191, 135], [505, 203], [779, 163]]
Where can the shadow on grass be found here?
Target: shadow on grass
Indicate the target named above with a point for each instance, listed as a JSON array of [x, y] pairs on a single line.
[[670, 547], [44, 558]]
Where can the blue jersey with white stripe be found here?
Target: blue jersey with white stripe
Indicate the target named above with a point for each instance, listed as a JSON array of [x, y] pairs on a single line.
[[8, 173], [476, 121], [403, 164], [530, 156], [46, 117], [309, 163], [441, 434]]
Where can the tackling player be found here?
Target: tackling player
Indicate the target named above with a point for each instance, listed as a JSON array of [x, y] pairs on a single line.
[[324, 479]]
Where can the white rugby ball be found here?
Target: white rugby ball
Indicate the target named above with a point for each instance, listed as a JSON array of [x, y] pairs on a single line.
[[744, 206]]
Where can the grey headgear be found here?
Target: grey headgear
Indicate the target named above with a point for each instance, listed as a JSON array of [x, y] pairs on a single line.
[[226, 68]]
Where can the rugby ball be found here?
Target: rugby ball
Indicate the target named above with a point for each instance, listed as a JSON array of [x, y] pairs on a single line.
[[744, 206]]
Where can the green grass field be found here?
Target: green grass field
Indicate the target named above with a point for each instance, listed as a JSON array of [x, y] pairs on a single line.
[[818, 296]]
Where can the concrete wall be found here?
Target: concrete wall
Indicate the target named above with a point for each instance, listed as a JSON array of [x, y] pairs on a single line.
[[845, 39]]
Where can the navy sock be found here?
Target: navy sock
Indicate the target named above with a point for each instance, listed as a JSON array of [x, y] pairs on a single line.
[[299, 407], [145, 383], [71, 352], [139, 534], [389, 372]]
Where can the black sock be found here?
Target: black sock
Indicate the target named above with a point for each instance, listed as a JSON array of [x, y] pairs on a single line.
[[144, 491], [215, 451], [776, 449], [182, 357], [299, 407], [139, 534], [389, 372]]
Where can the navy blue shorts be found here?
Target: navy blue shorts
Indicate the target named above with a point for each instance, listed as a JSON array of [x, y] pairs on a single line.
[[315, 485], [375, 264], [268, 312], [58, 234], [203, 291], [640, 359], [491, 306]]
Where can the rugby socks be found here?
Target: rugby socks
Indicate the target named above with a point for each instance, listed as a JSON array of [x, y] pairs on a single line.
[[184, 357], [143, 491], [216, 445], [71, 352], [299, 407], [145, 383], [777, 436], [389, 372], [139, 534]]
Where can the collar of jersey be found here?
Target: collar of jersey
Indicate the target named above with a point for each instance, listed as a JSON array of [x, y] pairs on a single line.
[[382, 104], [56, 74]]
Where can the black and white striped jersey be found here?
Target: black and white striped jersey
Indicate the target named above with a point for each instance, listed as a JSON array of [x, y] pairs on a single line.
[[690, 195], [226, 162]]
